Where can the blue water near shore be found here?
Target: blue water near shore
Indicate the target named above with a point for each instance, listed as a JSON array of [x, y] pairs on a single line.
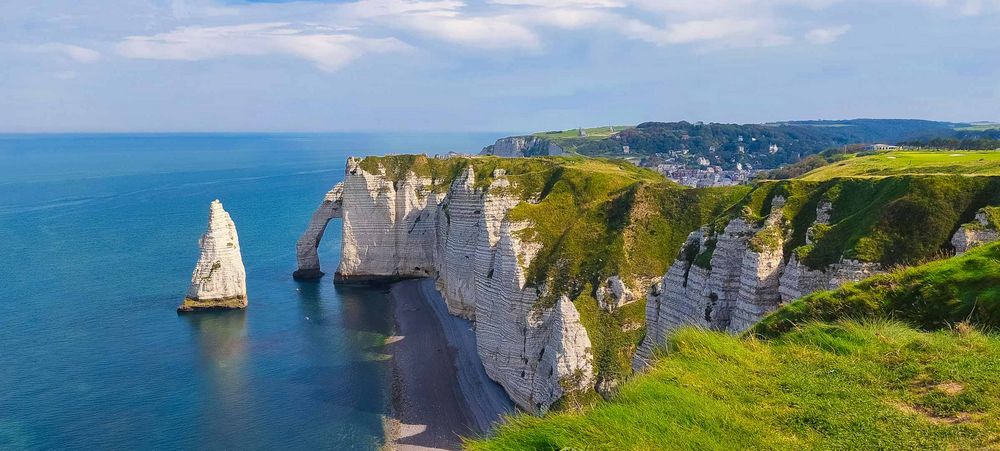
[[98, 237]]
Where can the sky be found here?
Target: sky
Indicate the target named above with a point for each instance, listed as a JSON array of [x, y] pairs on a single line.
[[510, 65]]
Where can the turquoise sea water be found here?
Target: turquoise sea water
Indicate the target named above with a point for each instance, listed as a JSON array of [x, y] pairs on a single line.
[[98, 237]]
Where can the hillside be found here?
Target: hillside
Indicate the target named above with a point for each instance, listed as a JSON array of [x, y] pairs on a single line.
[[840, 384], [758, 145], [942, 162], [871, 218], [932, 296]]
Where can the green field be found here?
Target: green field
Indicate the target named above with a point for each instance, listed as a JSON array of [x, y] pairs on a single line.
[[843, 384], [592, 133], [980, 127], [911, 162]]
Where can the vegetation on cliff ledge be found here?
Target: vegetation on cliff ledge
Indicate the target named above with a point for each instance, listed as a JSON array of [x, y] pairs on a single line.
[[841, 384], [936, 295], [905, 219]]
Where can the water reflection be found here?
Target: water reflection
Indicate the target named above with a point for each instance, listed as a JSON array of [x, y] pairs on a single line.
[[364, 312], [221, 339]]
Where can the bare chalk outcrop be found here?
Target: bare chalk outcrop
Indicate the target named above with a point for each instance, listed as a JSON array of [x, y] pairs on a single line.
[[746, 278], [219, 278], [522, 146], [978, 232]]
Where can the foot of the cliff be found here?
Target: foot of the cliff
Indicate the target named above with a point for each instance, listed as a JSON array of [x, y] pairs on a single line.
[[307, 274]]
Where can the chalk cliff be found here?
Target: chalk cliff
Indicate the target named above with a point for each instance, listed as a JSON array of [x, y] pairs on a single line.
[[522, 146], [219, 278], [565, 264], [747, 278], [403, 225], [731, 278]]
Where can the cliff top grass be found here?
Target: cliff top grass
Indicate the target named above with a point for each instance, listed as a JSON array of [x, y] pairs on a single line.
[[925, 162], [847, 385], [939, 294], [592, 133], [905, 219]]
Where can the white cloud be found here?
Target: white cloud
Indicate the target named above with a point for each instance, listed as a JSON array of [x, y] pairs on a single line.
[[73, 52], [480, 32], [328, 51], [725, 32], [563, 3], [826, 35]]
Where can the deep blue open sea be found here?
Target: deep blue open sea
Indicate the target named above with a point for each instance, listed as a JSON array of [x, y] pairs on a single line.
[[98, 237]]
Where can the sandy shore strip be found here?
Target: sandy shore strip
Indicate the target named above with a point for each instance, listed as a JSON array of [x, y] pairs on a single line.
[[441, 391]]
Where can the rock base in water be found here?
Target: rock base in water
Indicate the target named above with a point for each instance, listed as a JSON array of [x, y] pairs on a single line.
[[219, 280], [195, 305], [308, 274]]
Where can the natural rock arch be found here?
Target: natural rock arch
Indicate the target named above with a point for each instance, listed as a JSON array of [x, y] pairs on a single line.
[[306, 252]]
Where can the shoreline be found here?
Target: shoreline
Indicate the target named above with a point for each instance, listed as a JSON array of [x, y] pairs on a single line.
[[440, 391]]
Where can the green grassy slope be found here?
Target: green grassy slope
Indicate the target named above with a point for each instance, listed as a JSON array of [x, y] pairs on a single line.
[[911, 162], [592, 133], [599, 140], [824, 386], [892, 220], [935, 295], [595, 218], [836, 385]]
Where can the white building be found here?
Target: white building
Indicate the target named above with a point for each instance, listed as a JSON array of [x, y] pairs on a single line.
[[880, 147]]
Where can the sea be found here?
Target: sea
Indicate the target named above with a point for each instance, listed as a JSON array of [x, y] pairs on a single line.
[[98, 238]]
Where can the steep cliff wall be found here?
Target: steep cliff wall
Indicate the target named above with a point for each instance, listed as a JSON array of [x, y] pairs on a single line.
[[550, 256], [786, 240], [421, 224], [523, 146]]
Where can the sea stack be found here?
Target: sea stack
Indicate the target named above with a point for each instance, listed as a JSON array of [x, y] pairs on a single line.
[[219, 280]]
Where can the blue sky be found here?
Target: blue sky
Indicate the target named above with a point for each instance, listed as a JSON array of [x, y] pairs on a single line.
[[450, 65]]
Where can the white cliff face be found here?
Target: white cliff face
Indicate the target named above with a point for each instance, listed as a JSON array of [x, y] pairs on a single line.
[[522, 146], [219, 278], [975, 233], [388, 229], [745, 282], [463, 239], [306, 247]]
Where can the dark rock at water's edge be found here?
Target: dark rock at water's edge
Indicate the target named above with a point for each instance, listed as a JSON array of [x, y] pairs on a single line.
[[308, 274]]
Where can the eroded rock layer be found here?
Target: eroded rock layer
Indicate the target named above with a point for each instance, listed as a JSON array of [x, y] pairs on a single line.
[[219, 278], [747, 278], [412, 226], [748, 273]]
